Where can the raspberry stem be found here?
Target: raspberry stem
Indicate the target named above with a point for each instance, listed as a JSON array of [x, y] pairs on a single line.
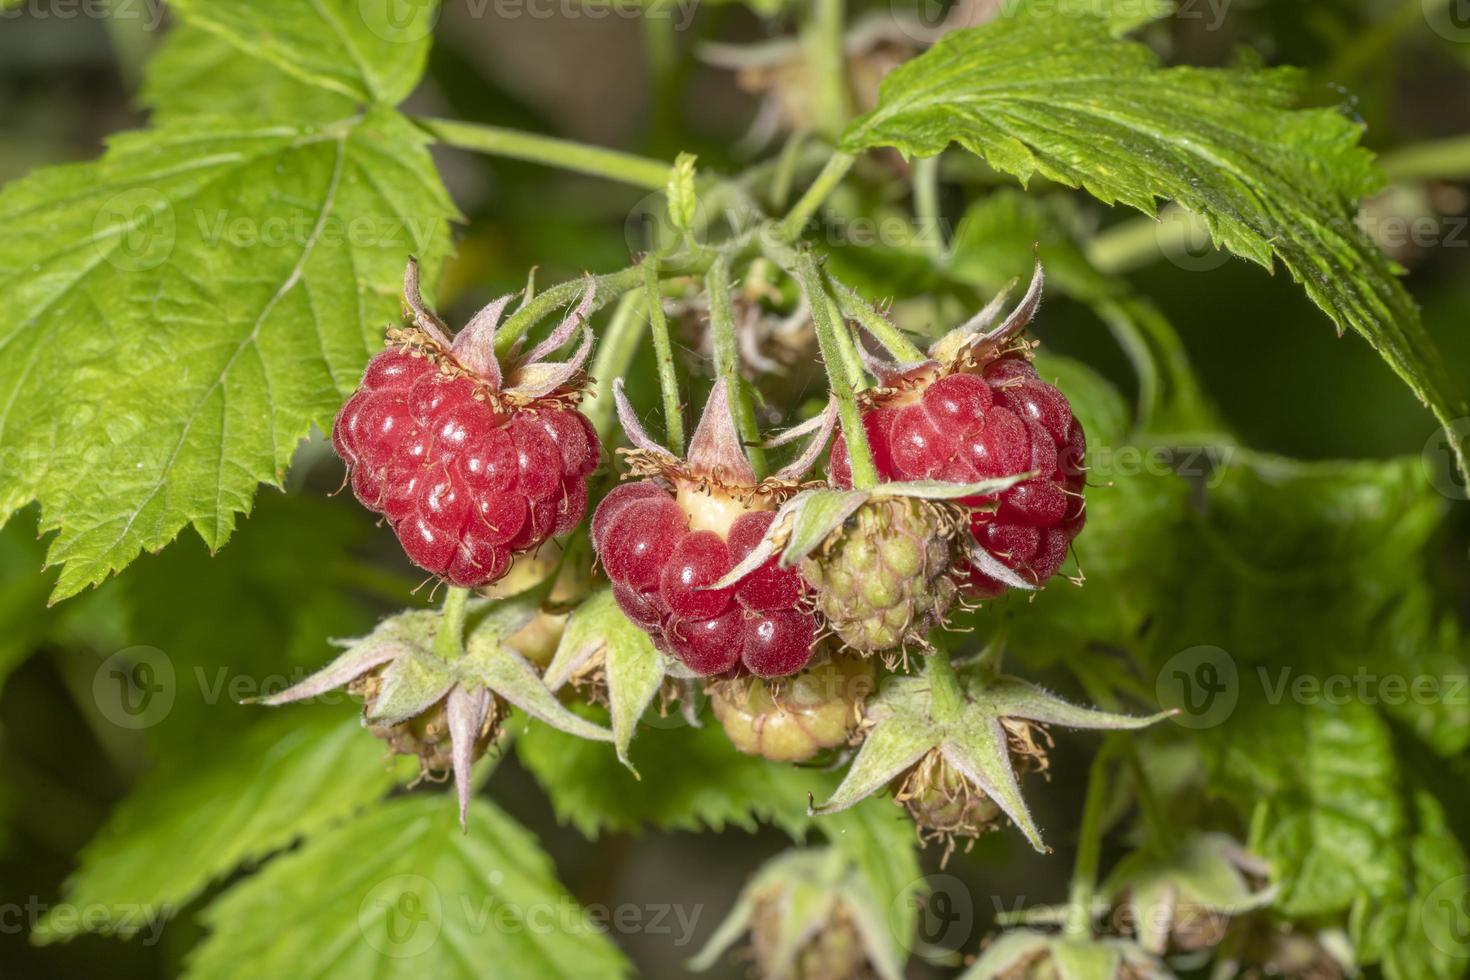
[[668, 381], [926, 206], [609, 287], [1089, 846], [801, 212], [618, 344], [449, 641], [860, 457], [564, 154], [727, 361], [946, 699], [875, 323]]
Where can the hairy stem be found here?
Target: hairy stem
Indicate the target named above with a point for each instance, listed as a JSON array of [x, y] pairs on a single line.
[[1089, 848], [838, 164], [615, 350], [625, 168], [449, 641], [663, 350], [609, 287], [946, 698], [875, 323], [860, 456], [727, 361]]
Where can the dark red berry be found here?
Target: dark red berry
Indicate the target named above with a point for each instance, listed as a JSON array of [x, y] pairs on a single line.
[[638, 539], [770, 586], [708, 646], [699, 559], [778, 643]]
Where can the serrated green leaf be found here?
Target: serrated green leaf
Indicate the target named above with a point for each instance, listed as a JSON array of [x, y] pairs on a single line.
[[182, 311], [195, 73], [633, 669], [691, 779], [402, 893], [369, 50], [234, 802], [1056, 96]]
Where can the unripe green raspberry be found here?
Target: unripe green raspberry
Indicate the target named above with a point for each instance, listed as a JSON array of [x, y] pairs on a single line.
[[791, 719], [425, 735], [882, 581], [834, 952], [943, 803]]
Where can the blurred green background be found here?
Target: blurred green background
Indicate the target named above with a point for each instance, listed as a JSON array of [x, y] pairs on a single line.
[[1266, 356]]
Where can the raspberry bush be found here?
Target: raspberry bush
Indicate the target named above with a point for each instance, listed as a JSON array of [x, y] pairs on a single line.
[[943, 584]]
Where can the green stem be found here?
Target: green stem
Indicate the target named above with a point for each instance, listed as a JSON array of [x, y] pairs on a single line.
[[838, 164], [609, 288], [1089, 849], [663, 350], [449, 641], [1154, 814], [1439, 160], [563, 154], [852, 361], [785, 172], [616, 348], [860, 457], [946, 697], [824, 43], [926, 206], [727, 361], [875, 323]]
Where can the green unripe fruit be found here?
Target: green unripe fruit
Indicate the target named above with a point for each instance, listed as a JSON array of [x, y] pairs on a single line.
[[834, 952], [882, 580], [794, 718]]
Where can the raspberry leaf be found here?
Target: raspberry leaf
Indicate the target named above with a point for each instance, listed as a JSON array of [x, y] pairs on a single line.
[[196, 327], [1058, 97], [410, 897], [366, 50], [633, 669], [236, 799]]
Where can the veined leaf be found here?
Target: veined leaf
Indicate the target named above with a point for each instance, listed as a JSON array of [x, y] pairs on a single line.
[[195, 73], [402, 893], [369, 50], [182, 311], [1059, 97], [234, 802]]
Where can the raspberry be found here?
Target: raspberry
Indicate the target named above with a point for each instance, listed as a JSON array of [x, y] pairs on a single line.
[[793, 719], [665, 541], [469, 465], [883, 580], [981, 423]]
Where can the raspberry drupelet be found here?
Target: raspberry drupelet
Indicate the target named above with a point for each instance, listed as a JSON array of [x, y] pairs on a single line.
[[665, 540], [977, 410], [471, 463]]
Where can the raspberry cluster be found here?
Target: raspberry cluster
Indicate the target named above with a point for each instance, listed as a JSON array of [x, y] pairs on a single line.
[[661, 568], [995, 420], [464, 485]]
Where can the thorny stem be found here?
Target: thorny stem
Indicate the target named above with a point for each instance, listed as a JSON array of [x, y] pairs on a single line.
[[875, 323], [615, 350], [860, 457], [1089, 848], [727, 361], [663, 350], [852, 361], [625, 168], [449, 641], [806, 206], [609, 287]]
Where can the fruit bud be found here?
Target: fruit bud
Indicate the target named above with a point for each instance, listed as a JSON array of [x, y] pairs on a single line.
[[882, 581], [425, 735], [792, 719]]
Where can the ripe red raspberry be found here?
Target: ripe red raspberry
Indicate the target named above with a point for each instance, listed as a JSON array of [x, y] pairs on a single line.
[[470, 464], [664, 541], [979, 411]]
